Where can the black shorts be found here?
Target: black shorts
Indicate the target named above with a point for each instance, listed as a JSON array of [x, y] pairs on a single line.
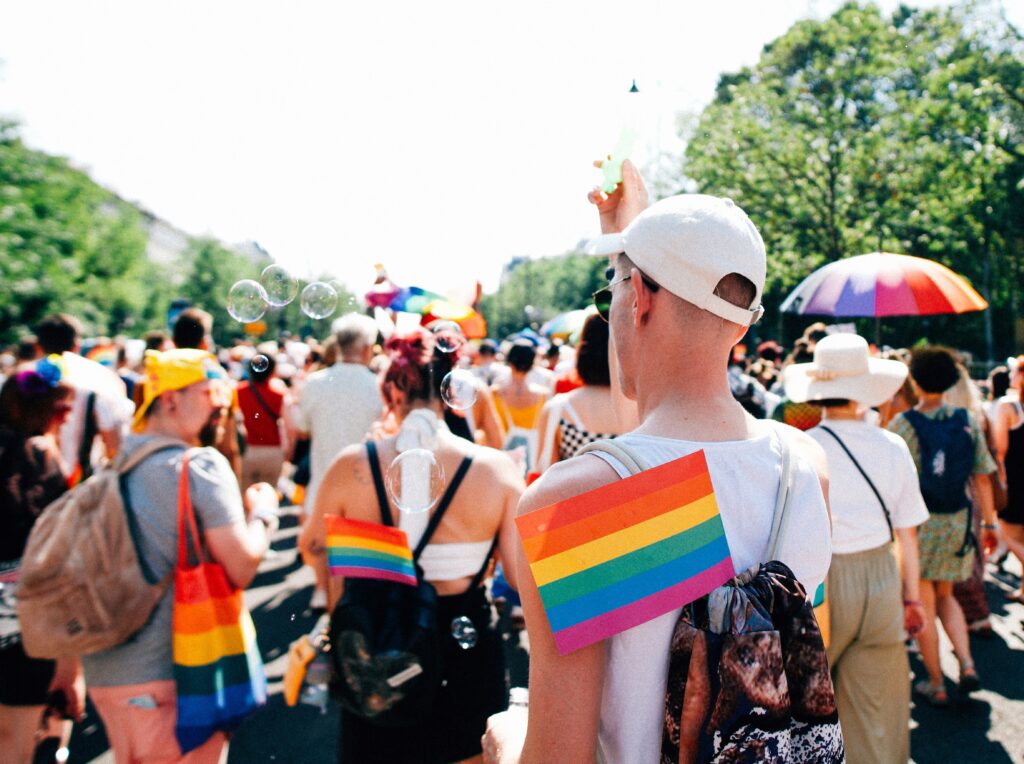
[[23, 680], [474, 688]]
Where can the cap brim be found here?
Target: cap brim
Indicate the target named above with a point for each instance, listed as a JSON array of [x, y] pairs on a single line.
[[606, 244], [881, 382]]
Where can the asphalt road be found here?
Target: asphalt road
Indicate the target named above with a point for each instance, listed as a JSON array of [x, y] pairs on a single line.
[[987, 727]]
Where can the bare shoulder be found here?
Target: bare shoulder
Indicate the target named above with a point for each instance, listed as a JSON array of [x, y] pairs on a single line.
[[565, 480], [350, 462]]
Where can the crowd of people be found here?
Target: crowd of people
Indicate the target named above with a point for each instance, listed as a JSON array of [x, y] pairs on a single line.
[[899, 476]]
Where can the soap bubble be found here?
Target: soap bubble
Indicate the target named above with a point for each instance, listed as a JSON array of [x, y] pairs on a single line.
[[415, 480], [448, 336], [458, 389], [247, 301], [281, 287], [319, 300], [464, 632], [259, 363]]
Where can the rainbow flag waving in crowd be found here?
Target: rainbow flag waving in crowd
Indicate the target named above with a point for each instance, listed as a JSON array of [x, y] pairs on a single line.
[[616, 557], [359, 549]]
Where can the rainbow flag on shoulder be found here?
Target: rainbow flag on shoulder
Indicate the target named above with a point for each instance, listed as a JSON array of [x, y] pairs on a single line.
[[358, 549], [624, 554]]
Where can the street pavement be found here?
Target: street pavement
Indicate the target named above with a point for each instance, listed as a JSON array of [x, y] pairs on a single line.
[[987, 727]]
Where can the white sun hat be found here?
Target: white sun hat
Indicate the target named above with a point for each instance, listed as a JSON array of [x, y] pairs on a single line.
[[842, 369]]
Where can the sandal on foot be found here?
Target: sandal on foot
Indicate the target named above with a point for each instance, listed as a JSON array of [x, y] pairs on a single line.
[[934, 696], [969, 681]]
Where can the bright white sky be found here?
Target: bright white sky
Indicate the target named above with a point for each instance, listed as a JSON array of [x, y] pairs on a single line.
[[440, 139]]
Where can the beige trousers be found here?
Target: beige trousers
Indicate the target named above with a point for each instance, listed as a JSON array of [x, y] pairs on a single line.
[[869, 662]]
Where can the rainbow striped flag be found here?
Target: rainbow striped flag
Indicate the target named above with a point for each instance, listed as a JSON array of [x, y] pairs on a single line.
[[616, 557], [218, 672], [359, 549]]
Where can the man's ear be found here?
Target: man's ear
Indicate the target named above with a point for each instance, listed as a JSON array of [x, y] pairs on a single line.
[[641, 297]]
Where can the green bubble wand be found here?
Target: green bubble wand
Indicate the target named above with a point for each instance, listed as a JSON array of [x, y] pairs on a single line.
[[612, 166]]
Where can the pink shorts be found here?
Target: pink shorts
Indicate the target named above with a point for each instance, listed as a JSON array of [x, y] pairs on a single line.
[[139, 719]]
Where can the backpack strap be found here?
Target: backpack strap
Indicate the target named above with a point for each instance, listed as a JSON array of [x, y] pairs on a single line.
[[618, 451], [378, 484], [871, 485], [126, 463], [479, 577], [446, 500], [89, 432], [783, 500]]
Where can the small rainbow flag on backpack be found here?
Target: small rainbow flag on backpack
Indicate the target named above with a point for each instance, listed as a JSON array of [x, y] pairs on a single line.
[[624, 554], [358, 549]]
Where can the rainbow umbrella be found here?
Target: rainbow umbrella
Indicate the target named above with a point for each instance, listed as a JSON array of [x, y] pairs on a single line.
[[566, 324], [883, 284], [472, 323], [413, 299]]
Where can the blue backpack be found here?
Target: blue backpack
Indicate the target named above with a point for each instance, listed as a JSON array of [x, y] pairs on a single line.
[[947, 460]]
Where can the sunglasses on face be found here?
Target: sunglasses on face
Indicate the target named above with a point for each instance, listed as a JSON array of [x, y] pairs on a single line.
[[603, 297]]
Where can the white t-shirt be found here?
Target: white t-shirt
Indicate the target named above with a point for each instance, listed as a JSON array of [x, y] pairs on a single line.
[[858, 522], [745, 475], [337, 408]]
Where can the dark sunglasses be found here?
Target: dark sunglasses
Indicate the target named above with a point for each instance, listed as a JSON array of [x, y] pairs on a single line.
[[603, 297]]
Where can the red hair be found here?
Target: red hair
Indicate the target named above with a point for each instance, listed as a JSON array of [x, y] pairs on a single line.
[[417, 366]]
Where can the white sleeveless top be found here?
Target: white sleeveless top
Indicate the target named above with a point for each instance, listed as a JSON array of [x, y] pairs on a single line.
[[443, 562], [745, 475]]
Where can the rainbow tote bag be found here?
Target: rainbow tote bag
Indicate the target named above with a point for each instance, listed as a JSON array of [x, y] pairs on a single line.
[[218, 671]]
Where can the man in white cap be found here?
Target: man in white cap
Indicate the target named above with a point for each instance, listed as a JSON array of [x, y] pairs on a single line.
[[875, 500], [687, 276]]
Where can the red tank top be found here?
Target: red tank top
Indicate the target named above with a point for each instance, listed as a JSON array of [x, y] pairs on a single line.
[[261, 428]]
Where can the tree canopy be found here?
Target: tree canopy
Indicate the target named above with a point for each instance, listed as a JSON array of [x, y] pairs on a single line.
[[865, 133]]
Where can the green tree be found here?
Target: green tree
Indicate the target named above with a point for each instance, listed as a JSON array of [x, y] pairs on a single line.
[[861, 133], [65, 244], [534, 291]]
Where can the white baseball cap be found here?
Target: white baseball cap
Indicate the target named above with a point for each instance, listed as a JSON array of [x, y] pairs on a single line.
[[687, 244]]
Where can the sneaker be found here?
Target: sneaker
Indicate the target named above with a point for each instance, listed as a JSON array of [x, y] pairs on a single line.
[[319, 600]]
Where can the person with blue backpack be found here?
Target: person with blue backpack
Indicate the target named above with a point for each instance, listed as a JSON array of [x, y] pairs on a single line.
[[951, 456]]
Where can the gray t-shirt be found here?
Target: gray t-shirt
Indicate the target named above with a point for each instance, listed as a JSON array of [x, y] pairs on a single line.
[[152, 489]]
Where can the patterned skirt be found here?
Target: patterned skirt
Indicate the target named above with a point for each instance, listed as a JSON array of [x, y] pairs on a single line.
[[940, 541]]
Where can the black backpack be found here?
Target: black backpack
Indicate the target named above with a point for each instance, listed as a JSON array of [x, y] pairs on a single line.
[[385, 636], [947, 459]]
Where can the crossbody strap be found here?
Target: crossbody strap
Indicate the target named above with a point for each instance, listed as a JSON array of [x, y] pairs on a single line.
[[885, 509], [263, 403]]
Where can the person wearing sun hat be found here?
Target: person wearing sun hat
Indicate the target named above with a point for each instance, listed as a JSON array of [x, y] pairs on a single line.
[[132, 684], [875, 500]]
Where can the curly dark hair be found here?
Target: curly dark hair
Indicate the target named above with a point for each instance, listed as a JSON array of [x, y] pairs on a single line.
[[934, 368]]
